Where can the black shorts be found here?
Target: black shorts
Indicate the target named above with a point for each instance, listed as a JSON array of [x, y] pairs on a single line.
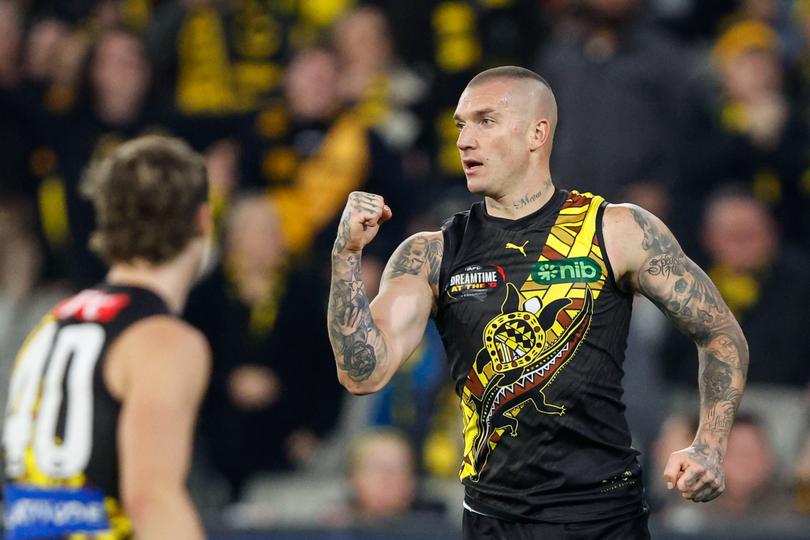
[[626, 527]]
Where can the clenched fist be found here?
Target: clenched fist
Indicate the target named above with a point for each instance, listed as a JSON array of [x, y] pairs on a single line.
[[697, 472], [361, 219]]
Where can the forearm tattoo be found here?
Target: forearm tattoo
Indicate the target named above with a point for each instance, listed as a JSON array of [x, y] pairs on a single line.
[[688, 297], [356, 341], [342, 234]]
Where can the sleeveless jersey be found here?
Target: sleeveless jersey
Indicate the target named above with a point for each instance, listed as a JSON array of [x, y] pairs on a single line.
[[60, 432], [535, 330]]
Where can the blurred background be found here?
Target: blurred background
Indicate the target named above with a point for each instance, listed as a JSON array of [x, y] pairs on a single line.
[[698, 111]]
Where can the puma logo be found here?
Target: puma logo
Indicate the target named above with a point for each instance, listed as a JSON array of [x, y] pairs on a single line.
[[510, 245]]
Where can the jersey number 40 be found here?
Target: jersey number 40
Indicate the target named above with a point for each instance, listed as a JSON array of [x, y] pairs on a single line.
[[55, 358]]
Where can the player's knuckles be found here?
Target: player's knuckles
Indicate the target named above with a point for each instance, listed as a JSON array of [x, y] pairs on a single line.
[[707, 496], [690, 477], [703, 485], [687, 481], [370, 217], [703, 494], [711, 491], [708, 477], [362, 196], [365, 214]]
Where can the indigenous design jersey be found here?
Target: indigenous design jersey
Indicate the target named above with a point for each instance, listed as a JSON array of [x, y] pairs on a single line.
[[535, 331], [59, 439]]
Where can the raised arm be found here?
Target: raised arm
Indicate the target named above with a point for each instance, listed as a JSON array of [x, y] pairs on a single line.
[[648, 259], [371, 341]]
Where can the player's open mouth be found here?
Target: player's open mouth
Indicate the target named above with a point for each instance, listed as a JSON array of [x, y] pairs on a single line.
[[471, 165]]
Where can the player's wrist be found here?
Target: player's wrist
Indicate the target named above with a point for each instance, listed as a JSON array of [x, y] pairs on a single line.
[[346, 252], [710, 444]]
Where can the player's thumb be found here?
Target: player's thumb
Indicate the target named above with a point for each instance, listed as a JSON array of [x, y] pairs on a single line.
[[386, 214], [673, 469]]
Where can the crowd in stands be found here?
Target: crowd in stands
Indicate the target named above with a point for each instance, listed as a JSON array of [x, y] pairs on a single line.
[[698, 111]]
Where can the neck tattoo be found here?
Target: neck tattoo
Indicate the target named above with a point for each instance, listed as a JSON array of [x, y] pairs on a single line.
[[526, 200]]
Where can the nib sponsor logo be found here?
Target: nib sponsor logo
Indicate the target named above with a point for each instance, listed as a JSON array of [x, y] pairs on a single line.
[[577, 270]]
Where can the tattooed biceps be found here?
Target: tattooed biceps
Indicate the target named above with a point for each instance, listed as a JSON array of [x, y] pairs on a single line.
[[420, 253], [677, 285], [688, 297]]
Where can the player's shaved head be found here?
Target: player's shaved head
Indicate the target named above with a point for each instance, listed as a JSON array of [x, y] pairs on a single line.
[[537, 90], [508, 72]]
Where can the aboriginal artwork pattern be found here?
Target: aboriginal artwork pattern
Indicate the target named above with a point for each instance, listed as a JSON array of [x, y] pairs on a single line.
[[537, 333]]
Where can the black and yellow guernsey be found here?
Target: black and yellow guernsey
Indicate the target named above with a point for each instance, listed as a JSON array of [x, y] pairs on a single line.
[[535, 330], [60, 433]]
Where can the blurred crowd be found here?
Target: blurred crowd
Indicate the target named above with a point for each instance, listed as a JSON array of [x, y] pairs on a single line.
[[698, 111]]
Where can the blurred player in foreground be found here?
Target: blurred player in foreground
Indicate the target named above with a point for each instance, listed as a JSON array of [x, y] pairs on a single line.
[[531, 290], [105, 391]]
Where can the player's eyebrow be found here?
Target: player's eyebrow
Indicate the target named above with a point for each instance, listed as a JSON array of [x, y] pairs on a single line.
[[476, 114]]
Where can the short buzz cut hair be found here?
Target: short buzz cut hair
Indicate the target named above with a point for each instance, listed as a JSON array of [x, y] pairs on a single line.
[[146, 194], [508, 72]]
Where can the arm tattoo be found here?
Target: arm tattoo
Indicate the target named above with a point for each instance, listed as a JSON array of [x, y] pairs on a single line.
[[343, 233], [414, 255], [688, 297], [356, 340], [710, 457], [665, 265], [677, 285]]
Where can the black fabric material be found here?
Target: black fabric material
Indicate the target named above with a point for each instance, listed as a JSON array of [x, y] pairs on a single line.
[[558, 468], [624, 527]]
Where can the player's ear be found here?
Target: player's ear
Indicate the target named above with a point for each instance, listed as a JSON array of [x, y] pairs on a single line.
[[539, 136], [204, 220]]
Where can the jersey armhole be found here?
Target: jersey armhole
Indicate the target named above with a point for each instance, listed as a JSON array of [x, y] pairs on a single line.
[[444, 269], [601, 237], [449, 249], [104, 365]]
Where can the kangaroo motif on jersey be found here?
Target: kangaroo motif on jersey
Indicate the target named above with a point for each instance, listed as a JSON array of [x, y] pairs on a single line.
[[518, 366]]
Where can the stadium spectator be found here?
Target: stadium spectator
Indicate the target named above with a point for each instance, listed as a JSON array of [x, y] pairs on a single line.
[[188, 43], [23, 298], [382, 472], [218, 57], [754, 491], [112, 109], [16, 133], [749, 130], [387, 93], [766, 283], [311, 148], [273, 395], [618, 80], [383, 484], [43, 41], [10, 45]]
